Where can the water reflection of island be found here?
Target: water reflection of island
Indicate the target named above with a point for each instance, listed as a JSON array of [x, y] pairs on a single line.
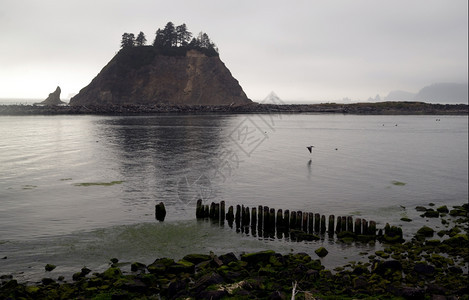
[[165, 157]]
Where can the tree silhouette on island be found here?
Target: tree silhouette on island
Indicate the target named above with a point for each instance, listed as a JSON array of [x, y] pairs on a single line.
[[172, 38]]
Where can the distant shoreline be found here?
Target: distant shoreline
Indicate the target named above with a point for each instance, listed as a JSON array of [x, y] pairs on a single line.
[[379, 108]]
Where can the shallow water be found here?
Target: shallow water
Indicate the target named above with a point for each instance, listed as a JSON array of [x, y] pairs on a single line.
[[368, 166]]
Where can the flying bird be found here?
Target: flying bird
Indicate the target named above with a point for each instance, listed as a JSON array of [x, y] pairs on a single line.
[[310, 148]]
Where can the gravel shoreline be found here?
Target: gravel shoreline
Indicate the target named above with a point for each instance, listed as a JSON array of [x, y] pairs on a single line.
[[382, 108], [425, 267]]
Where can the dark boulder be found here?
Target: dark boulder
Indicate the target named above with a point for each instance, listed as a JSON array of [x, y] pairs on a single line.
[[385, 267], [424, 269]]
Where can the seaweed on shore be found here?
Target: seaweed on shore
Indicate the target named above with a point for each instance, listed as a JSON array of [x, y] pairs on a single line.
[[99, 183]]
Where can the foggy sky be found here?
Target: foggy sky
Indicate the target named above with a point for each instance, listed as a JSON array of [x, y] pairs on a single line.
[[303, 50]]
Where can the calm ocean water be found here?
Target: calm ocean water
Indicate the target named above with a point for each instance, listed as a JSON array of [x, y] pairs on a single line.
[[58, 204]]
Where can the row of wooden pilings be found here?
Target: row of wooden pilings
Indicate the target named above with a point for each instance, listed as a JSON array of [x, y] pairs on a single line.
[[269, 221]]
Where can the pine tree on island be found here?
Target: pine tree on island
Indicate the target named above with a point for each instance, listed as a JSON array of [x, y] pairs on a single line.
[[172, 38]]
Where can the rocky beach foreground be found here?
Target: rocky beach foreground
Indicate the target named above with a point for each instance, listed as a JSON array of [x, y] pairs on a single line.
[[381, 108], [432, 265]]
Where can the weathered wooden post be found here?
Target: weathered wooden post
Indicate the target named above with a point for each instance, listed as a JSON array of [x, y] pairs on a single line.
[[317, 220], [253, 220], [299, 219], [266, 221], [222, 212], [350, 224], [206, 211], [364, 227], [247, 217], [286, 223], [305, 222], [279, 222], [387, 229], [243, 216], [344, 223], [238, 217], [293, 220], [260, 212], [230, 216], [212, 211], [253, 217], [372, 228], [160, 211], [216, 213], [310, 222], [199, 210], [330, 226], [358, 226], [272, 219], [338, 227], [323, 224], [260, 220], [286, 220]]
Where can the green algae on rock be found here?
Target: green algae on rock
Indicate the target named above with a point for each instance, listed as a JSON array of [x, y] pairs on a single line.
[[99, 183]]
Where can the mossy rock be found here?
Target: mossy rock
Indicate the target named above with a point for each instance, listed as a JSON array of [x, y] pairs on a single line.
[[227, 258], [387, 267], [365, 238], [49, 267], [392, 239], [266, 271], [47, 281], [426, 231], [347, 240], [258, 257], [458, 213], [95, 282], [302, 257], [112, 273], [405, 219], [160, 265], [300, 235], [136, 266], [459, 240], [432, 243], [431, 214], [346, 234], [32, 290], [181, 266], [77, 276], [321, 252], [277, 260], [382, 254], [315, 265], [443, 209], [454, 231], [196, 258], [420, 208], [114, 260]]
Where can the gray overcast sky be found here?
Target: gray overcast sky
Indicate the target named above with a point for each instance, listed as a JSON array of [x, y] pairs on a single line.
[[315, 50]]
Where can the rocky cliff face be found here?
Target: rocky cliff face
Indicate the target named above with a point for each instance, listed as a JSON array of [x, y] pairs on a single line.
[[144, 75]]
